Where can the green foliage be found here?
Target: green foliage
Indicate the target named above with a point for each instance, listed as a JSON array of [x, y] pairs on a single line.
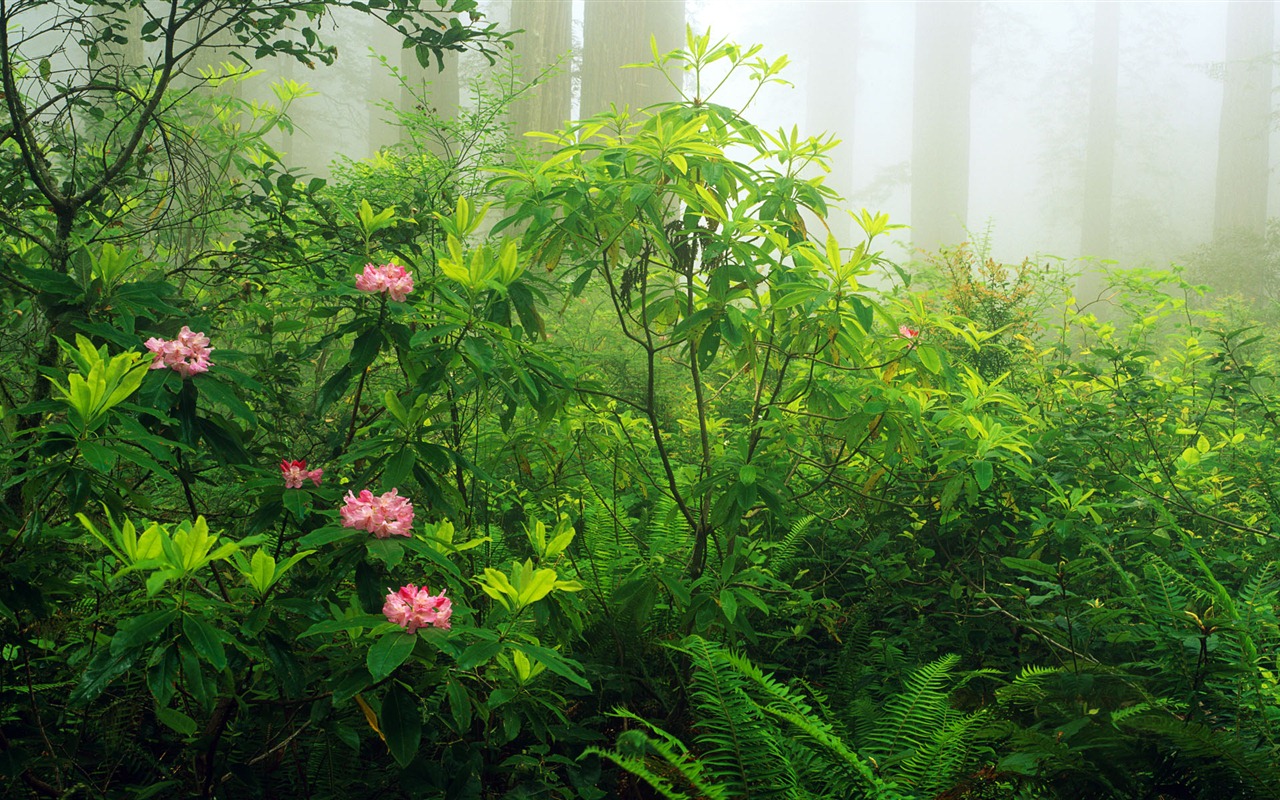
[[669, 450]]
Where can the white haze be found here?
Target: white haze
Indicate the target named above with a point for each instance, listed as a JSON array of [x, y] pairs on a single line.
[[1029, 112]]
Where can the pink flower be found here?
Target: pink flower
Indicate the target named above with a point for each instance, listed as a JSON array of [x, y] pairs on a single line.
[[908, 333], [295, 472], [390, 278], [187, 355], [388, 515], [412, 608]]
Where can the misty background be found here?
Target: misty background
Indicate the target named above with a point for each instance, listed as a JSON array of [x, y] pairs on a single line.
[[1133, 132]]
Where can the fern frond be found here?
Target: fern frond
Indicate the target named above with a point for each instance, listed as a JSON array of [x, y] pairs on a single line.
[[786, 551], [849, 775], [942, 760], [1027, 688], [640, 769], [1254, 769], [739, 747], [910, 716]]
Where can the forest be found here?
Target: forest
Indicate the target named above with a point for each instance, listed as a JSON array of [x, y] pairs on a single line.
[[570, 428]]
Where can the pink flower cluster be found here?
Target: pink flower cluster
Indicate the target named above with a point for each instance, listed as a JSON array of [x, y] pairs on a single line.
[[908, 333], [389, 278], [295, 472], [187, 355], [388, 515], [412, 608]]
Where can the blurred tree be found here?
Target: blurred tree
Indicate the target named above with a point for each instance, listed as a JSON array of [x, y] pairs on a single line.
[[940, 126], [442, 87], [1100, 155], [90, 96], [1243, 152], [618, 33], [832, 34], [548, 35]]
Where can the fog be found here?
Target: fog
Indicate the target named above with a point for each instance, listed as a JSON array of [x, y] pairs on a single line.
[[1034, 95]]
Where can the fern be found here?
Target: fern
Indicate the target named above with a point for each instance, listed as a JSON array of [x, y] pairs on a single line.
[[1240, 769], [909, 716], [673, 754], [849, 774], [739, 748], [786, 549]]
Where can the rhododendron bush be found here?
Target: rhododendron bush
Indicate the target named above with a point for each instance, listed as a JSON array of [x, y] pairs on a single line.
[[441, 477]]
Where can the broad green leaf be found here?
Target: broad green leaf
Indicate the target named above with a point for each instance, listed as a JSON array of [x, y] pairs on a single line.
[[929, 358], [729, 605], [141, 630], [477, 654], [459, 705], [389, 652], [982, 472], [401, 723], [176, 720], [564, 667], [206, 640], [538, 586]]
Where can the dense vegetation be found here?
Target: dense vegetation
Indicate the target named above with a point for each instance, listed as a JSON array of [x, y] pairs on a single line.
[[701, 502]]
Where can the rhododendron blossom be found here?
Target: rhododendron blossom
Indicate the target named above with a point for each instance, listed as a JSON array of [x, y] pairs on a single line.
[[186, 355], [295, 472], [908, 333], [412, 608], [390, 278], [387, 515]]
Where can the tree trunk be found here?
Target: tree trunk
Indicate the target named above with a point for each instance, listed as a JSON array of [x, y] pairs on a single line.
[[440, 88], [547, 39], [940, 127], [616, 33], [1100, 156], [833, 60], [1243, 152]]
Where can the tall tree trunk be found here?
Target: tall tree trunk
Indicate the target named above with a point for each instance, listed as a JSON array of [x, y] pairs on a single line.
[[1243, 152], [616, 33], [940, 126], [547, 38], [833, 61], [1100, 155], [439, 88]]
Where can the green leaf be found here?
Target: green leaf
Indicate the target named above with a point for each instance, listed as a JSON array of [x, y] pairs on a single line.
[[387, 551], [206, 640], [138, 631], [729, 605], [219, 392], [105, 667], [323, 536], [365, 349], [389, 652], [929, 358], [477, 654], [295, 500], [337, 625], [176, 720], [401, 724], [1029, 566], [539, 586], [982, 471], [459, 705], [101, 457], [564, 667]]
